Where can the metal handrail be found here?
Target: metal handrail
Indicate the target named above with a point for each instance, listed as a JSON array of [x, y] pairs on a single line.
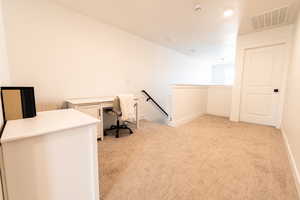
[[150, 98]]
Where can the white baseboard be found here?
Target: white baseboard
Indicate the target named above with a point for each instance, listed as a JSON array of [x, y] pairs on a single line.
[[175, 123], [292, 162]]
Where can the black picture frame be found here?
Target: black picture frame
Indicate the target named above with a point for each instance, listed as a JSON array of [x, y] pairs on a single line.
[[27, 100]]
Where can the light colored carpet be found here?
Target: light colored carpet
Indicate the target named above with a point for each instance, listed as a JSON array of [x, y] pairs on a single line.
[[207, 159]]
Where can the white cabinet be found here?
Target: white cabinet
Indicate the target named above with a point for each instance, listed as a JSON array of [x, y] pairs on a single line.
[[95, 111], [51, 157]]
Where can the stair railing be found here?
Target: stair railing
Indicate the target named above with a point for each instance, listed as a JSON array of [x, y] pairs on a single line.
[[158, 106]]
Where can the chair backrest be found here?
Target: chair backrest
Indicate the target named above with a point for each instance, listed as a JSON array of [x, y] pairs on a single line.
[[117, 106]]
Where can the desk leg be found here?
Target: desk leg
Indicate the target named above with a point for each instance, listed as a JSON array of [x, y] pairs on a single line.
[[137, 116], [101, 132]]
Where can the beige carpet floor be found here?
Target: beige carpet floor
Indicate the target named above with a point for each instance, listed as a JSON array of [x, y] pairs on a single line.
[[209, 158]]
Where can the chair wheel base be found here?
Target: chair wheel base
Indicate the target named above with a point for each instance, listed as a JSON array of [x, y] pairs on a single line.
[[118, 127]]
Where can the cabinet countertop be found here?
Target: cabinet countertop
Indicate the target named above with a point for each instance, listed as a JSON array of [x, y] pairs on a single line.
[[45, 123]]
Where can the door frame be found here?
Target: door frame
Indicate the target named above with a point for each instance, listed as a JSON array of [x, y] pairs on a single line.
[[280, 36], [282, 84]]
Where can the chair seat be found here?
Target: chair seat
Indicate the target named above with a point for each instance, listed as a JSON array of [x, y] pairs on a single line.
[[110, 111]]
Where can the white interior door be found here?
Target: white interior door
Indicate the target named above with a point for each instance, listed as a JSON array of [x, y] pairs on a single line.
[[262, 77]]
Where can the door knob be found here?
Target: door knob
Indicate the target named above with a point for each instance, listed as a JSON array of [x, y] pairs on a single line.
[[276, 90]]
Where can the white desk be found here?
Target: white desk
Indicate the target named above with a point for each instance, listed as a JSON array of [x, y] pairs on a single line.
[[94, 107]]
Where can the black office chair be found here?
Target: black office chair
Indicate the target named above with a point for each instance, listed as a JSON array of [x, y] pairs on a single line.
[[116, 111]]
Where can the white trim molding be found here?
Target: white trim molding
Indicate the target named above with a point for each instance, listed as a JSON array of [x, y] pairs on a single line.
[[292, 161], [184, 120], [188, 102], [282, 35]]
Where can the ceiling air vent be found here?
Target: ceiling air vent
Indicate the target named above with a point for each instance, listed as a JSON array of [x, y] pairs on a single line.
[[272, 18]]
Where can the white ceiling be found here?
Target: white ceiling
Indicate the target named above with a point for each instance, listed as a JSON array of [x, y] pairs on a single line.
[[174, 23]]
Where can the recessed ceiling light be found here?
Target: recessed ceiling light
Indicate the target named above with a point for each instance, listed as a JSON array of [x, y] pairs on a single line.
[[228, 13], [197, 7]]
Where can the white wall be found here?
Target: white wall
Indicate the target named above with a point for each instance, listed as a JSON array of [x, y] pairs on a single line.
[[219, 100], [191, 101], [223, 74], [188, 102], [290, 122], [281, 35], [68, 55], [4, 74], [4, 71]]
